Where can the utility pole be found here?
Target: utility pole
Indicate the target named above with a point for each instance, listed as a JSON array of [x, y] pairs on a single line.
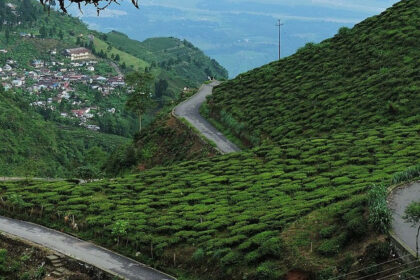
[[279, 24]]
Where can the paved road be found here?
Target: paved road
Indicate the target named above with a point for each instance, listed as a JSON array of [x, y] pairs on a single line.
[[189, 110], [398, 201], [81, 250], [7, 179]]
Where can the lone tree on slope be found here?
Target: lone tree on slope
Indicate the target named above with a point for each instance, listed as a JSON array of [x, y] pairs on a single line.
[[140, 98], [412, 215], [99, 4]]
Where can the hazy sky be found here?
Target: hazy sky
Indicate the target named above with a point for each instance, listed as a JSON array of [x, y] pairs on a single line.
[[240, 34]]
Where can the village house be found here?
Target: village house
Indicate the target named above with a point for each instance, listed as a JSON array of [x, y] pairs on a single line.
[[7, 68], [3, 51], [81, 112], [78, 54], [17, 83], [38, 63]]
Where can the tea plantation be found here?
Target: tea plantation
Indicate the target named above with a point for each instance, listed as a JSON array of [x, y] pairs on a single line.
[[362, 78], [325, 124], [225, 215]]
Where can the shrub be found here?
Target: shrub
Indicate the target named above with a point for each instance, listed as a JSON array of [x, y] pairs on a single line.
[[328, 232], [330, 247], [267, 271], [357, 227], [379, 214]]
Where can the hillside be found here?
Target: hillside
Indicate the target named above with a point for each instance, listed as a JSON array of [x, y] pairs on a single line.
[[32, 146], [326, 126], [361, 79], [64, 95], [176, 57]]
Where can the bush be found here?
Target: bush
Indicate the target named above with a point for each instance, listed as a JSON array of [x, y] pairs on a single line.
[[328, 232], [357, 227], [267, 271], [329, 247], [379, 214]]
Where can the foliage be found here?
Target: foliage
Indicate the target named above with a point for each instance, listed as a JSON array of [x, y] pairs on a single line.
[[412, 213], [379, 213], [406, 175], [100, 5], [139, 100], [33, 146]]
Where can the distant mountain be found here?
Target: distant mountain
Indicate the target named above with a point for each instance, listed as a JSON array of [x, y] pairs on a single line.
[[241, 35]]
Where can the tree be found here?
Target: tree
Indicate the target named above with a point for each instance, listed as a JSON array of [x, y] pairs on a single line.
[[98, 4], [160, 89], [412, 215], [139, 100]]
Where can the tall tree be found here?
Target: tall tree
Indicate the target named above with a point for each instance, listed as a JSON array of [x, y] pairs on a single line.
[[412, 215], [139, 100], [160, 90]]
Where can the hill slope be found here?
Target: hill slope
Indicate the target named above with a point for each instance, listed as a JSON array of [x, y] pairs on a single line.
[[296, 203], [361, 78], [176, 57], [32, 146]]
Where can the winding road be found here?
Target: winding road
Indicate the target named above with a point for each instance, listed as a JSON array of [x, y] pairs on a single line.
[[81, 250], [399, 199], [189, 110], [100, 257]]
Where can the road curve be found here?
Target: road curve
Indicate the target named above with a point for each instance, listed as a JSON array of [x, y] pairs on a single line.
[[399, 199], [189, 110], [81, 250]]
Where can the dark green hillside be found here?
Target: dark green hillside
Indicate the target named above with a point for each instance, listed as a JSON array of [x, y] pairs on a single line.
[[31, 146], [175, 57], [362, 78], [165, 142]]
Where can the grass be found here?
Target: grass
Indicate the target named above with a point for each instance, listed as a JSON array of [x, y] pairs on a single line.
[[126, 58]]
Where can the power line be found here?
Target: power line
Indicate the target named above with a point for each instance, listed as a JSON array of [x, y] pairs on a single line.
[[399, 272], [372, 266], [382, 271]]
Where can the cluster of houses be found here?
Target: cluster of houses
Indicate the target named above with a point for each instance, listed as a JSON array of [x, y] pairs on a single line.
[[60, 78]]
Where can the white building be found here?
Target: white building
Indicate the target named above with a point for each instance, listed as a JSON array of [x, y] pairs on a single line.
[[78, 54]]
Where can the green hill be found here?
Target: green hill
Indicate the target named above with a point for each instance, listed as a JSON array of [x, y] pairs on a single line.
[[32, 146], [334, 120], [362, 78], [176, 60]]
